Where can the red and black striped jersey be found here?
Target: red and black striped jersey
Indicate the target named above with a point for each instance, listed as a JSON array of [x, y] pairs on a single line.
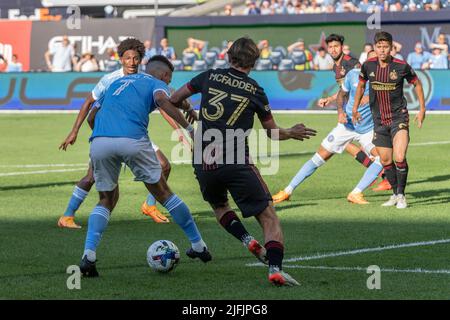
[[386, 87], [230, 100], [346, 64]]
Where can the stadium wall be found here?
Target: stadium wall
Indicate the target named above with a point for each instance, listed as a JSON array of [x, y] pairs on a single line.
[[287, 90]]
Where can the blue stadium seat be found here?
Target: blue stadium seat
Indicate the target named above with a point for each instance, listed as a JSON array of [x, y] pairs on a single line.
[[210, 57], [189, 58], [177, 64], [222, 64], [275, 57], [286, 64], [215, 49], [199, 65], [283, 51], [298, 57], [263, 64]]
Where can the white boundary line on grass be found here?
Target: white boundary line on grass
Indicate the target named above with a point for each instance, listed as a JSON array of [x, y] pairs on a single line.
[[429, 112], [39, 172], [418, 144], [359, 251], [417, 270]]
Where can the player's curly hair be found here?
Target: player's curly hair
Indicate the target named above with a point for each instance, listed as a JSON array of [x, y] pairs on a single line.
[[335, 37], [243, 53], [131, 44]]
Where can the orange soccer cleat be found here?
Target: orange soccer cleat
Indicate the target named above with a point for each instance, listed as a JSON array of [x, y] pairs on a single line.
[[154, 213], [258, 251], [280, 197], [280, 278], [357, 198], [384, 185], [67, 222]]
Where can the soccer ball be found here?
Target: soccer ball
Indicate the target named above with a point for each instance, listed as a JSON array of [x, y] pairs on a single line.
[[163, 256]]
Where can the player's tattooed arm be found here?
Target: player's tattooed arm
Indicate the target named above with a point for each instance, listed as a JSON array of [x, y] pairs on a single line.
[[342, 95], [297, 132], [323, 102], [356, 116], [72, 137], [420, 116]]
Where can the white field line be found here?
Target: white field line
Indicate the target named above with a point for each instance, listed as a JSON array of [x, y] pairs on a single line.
[[187, 161], [417, 270], [359, 251], [429, 112], [39, 172], [43, 165], [276, 155]]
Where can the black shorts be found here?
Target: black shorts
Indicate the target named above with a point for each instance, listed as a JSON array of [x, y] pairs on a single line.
[[246, 186], [383, 135]]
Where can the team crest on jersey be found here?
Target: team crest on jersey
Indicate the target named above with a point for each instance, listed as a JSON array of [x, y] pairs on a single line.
[[372, 74], [393, 75], [330, 138]]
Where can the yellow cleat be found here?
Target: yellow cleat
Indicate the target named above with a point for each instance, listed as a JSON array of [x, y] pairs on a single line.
[[68, 222], [280, 197], [154, 213], [357, 198]]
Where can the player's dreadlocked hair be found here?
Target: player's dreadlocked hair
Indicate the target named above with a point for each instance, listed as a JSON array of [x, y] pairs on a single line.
[[335, 37], [131, 44], [243, 53]]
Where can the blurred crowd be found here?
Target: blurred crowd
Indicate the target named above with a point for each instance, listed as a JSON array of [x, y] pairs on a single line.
[[272, 7], [199, 56]]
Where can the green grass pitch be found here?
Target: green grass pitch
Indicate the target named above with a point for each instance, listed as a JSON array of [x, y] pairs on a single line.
[[34, 253]]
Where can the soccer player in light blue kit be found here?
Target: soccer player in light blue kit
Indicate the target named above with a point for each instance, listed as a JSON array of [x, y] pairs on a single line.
[[344, 133], [131, 52], [120, 135]]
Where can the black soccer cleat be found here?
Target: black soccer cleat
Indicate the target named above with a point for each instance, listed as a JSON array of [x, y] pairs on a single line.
[[88, 268], [205, 256]]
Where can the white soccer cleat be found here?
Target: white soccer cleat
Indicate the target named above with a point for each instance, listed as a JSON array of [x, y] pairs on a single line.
[[401, 202], [280, 278], [391, 202]]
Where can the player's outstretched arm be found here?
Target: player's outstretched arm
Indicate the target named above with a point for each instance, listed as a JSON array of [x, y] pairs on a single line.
[[297, 132], [420, 116], [176, 127], [72, 137], [356, 116], [323, 102], [179, 99], [163, 102]]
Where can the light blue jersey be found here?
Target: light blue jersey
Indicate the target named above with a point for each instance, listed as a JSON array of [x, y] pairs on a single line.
[[349, 85], [126, 105], [105, 82]]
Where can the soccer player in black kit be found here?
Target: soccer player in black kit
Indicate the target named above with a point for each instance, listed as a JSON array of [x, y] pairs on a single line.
[[386, 77], [230, 100]]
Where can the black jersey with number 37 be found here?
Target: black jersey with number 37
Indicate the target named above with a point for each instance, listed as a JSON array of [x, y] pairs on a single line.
[[230, 100], [386, 88]]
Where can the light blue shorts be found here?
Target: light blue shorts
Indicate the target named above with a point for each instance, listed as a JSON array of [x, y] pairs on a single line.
[[107, 155]]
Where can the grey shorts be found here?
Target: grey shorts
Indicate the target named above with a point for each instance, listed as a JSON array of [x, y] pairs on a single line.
[[108, 154]]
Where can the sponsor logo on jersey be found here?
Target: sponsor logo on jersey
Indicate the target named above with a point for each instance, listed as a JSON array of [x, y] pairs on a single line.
[[393, 75], [402, 126]]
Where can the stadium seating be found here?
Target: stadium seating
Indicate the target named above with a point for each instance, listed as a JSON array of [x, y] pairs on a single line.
[[199, 65], [298, 57], [220, 64], [286, 64], [210, 57], [189, 59], [177, 65], [263, 65], [275, 57]]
